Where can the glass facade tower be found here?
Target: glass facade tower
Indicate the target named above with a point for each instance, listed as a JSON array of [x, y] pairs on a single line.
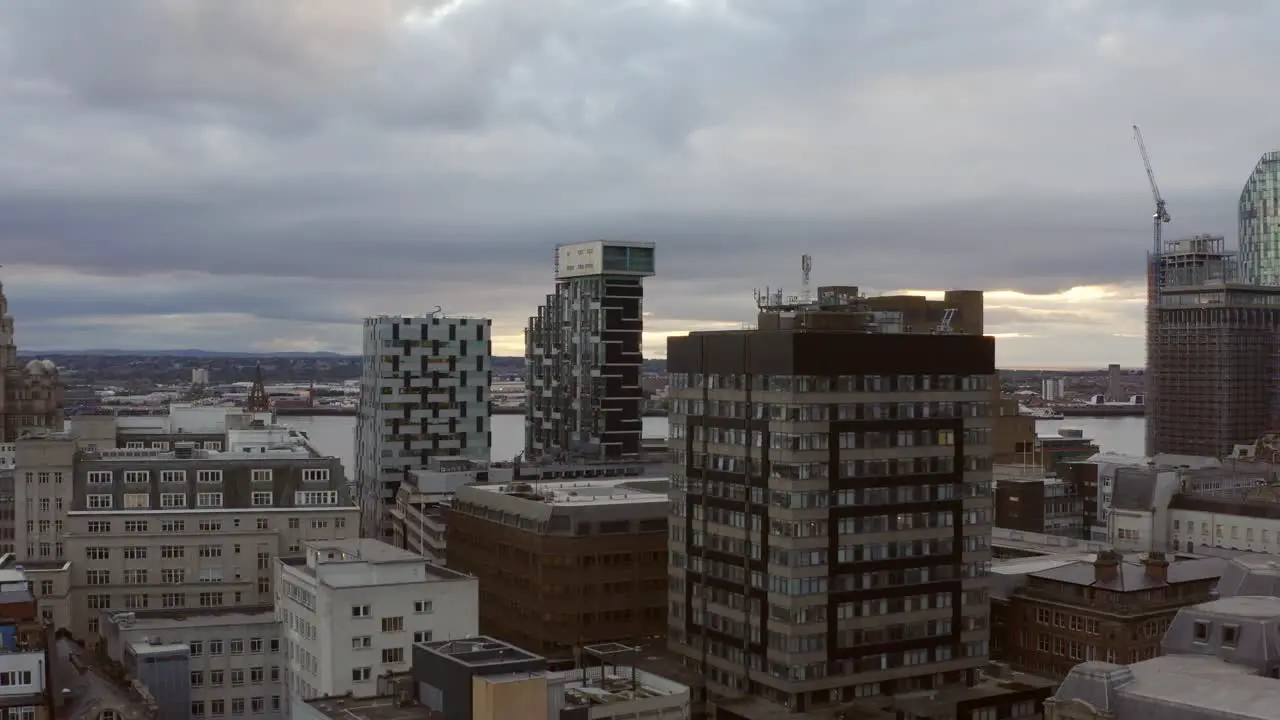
[[1259, 225]]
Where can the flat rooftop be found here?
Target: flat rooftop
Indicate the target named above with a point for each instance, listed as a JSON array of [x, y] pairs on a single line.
[[188, 617], [368, 550], [383, 708], [1200, 682], [592, 491], [478, 651]]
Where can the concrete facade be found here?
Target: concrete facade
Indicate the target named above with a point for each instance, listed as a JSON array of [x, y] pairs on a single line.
[[232, 659], [141, 529], [831, 499], [351, 610], [424, 392]]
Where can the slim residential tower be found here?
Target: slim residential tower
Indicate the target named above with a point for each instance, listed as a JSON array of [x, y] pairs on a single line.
[[584, 352], [424, 392]]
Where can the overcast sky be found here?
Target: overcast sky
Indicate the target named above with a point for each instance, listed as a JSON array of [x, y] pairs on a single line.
[[254, 175]]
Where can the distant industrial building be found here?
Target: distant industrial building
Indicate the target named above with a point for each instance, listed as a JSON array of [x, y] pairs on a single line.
[[585, 349], [424, 392], [1212, 354], [1053, 389]]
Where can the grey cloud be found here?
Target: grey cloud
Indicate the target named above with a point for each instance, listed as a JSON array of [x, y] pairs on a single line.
[[321, 159]]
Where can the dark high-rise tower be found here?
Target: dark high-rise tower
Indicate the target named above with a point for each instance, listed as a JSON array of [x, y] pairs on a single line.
[[583, 351], [1211, 353]]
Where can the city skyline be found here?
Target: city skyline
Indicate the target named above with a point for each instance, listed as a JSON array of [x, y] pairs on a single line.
[[164, 196]]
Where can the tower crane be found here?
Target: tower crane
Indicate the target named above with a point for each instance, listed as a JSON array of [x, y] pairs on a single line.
[[1161, 215]]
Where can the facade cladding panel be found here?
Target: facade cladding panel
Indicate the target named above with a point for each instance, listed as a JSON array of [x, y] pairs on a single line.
[[584, 353], [831, 520]]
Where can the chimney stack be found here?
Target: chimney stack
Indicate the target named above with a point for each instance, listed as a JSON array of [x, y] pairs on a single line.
[[1157, 566], [1106, 567]]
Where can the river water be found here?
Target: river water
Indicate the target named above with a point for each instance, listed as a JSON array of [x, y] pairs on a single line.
[[336, 435]]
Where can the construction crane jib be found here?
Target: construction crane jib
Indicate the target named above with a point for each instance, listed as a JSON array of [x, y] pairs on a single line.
[[1162, 213]]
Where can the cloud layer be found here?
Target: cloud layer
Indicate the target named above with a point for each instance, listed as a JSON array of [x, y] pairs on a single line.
[[238, 174]]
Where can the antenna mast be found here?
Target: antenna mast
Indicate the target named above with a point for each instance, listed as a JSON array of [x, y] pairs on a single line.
[[806, 265]]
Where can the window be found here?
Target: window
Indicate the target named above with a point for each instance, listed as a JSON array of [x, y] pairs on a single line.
[[99, 477], [422, 636], [173, 526], [237, 647], [197, 648], [173, 600], [392, 655], [422, 606], [97, 553], [135, 576], [263, 498], [1230, 635], [361, 642], [137, 501], [98, 502], [99, 602], [315, 475], [140, 477], [197, 678], [208, 500], [173, 576], [173, 476], [361, 674], [135, 526], [160, 444], [210, 551], [97, 577], [210, 526], [1201, 631], [257, 675], [211, 599], [173, 500], [134, 445], [99, 526], [215, 445], [393, 624], [263, 476], [197, 708], [135, 553], [217, 677], [237, 678], [361, 611], [215, 647], [315, 497], [15, 678], [262, 524], [209, 476]]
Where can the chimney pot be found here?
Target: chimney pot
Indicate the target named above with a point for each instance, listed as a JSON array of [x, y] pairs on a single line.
[[1157, 566], [1106, 566]]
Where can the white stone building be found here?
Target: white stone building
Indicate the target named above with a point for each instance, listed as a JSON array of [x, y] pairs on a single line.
[[351, 610]]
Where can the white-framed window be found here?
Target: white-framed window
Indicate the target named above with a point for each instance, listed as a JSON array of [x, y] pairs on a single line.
[[421, 636], [361, 674], [137, 476], [209, 476], [262, 475], [208, 500], [99, 526], [263, 498], [213, 445], [97, 577], [98, 502], [15, 678], [361, 642], [173, 476], [315, 497], [100, 477], [390, 656], [136, 526], [361, 611], [211, 575], [422, 606], [134, 445], [97, 553], [315, 475], [137, 552], [135, 576], [172, 501], [137, 501], [160, 444], [210, 551], [393, 624]]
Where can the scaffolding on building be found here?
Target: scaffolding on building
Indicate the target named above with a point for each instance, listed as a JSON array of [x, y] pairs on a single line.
[[1212, 351]]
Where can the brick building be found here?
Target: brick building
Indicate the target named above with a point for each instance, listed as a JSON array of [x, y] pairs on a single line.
[[1051, 613]]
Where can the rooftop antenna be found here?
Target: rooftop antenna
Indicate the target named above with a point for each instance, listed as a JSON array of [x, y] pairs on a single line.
[[806, 265]]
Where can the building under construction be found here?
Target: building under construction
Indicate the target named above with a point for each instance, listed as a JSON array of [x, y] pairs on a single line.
[[1212, 351]]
